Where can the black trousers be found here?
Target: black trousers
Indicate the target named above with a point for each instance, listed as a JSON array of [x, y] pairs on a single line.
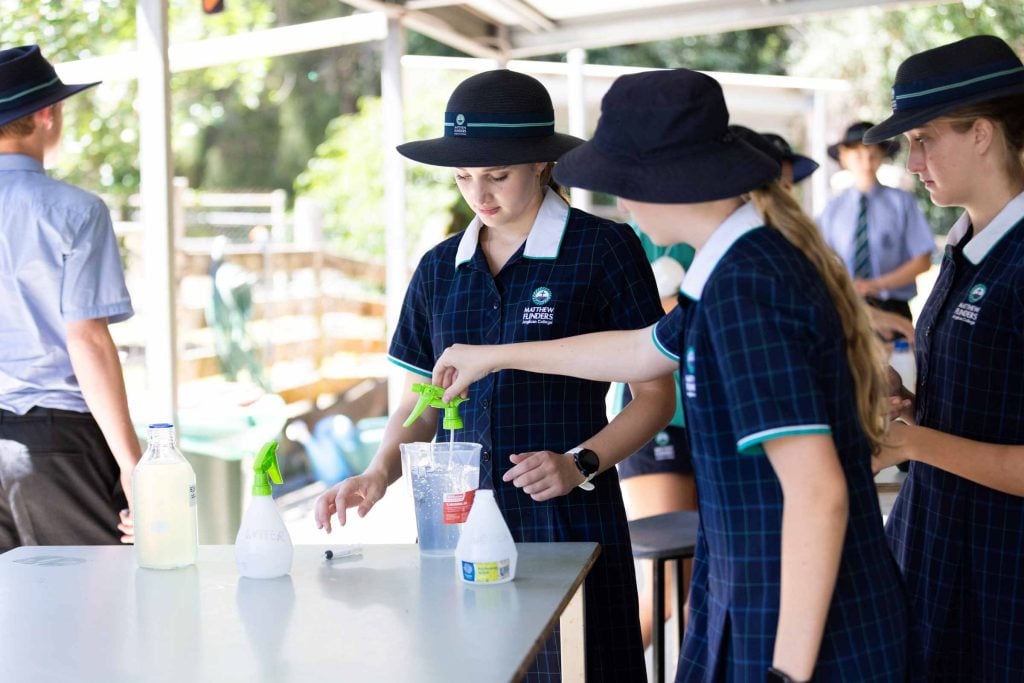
[[59, 482], [901, 308]]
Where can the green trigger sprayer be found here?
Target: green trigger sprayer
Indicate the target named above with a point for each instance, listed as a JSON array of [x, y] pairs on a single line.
[[266, 470], [433, 396], [263, 548]]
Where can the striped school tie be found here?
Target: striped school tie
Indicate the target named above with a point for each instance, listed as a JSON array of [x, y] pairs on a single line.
[[862, 249]]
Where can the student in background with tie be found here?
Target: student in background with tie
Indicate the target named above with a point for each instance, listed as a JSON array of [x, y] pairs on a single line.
[[879, 231]]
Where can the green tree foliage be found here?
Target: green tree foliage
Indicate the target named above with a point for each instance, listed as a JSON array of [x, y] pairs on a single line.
[[100, 149], [346, 176], [758, 51], [866, 46]]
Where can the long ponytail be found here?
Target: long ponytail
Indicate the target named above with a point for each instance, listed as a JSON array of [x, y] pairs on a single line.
[[863, 352]]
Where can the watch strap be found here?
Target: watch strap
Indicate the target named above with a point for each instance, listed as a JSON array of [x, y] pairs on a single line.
[[586, 484]]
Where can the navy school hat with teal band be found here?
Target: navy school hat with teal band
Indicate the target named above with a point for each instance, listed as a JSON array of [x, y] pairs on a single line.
[[29, 83], [663, 137], [944, 79], [495, 118]]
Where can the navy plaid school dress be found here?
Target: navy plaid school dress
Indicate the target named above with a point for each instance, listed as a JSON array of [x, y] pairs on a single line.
[[960, 544], [575, 274], [761, 353]]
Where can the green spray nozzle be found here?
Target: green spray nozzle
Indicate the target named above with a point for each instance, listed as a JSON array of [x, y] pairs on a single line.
[[265, 469], [433, 396]]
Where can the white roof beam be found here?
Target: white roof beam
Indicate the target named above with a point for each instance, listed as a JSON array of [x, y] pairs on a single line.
[[430, 26], [274, 42], [673, 21]]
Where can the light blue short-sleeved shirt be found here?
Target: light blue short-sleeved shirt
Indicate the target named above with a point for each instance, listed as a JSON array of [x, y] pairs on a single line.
[[59, 263], [897, 232]]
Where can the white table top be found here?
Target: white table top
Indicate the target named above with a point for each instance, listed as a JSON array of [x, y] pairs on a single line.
[[87, 613]]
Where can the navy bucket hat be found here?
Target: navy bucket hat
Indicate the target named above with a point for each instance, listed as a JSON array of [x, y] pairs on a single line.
[[663, 137], [496, 118], [29, 83], [854, 135], [802, 166], [944, 79]]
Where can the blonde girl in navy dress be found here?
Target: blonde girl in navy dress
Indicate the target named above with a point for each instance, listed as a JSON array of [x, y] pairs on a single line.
[[957, 526], [529, 267], [783, 392]]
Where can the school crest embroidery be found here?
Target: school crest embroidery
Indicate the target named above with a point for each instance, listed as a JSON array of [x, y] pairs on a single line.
[[540, 313]]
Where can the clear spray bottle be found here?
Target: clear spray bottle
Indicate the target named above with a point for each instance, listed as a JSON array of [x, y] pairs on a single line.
[[263, 547]]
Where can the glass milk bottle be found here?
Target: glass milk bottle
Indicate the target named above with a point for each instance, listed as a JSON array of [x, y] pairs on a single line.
[[164, 504]]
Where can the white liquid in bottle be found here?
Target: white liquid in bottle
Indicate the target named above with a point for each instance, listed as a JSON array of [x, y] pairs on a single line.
[[164, 505]]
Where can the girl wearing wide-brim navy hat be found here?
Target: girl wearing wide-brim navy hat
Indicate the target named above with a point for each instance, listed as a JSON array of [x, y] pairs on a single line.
[[782, 388], [957, 526], [529, 267]]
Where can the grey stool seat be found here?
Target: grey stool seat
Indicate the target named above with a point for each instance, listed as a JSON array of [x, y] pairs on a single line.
[[671, 536]]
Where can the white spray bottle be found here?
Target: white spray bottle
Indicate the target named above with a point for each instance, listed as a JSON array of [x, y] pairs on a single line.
[[263, 548], [486, 553]]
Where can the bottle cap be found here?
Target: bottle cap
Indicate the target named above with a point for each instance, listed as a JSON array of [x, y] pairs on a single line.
[[901, 345], [265, 469]]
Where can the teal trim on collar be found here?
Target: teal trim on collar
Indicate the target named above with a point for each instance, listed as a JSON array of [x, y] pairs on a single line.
[[410, 368], [985, 241], [544, 240], [23, 93], [751, 445], [658, 345], [739, 223]]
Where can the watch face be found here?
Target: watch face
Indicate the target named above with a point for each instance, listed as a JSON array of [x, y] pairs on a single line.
[[587, 462]]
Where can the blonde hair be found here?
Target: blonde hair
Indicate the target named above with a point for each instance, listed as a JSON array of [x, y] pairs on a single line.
[[1007, 115], [546, 179], [863, 352], [18, 128]]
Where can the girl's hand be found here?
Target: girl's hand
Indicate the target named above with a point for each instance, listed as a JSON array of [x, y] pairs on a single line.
[[460, 365], [543, 474], [895, 448]]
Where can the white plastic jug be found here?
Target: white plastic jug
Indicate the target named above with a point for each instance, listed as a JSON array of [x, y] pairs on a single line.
[[486, 554]]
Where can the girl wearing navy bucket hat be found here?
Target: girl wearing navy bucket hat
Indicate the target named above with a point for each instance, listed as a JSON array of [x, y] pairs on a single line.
[[957, 526], [783, 392], [529, 267]]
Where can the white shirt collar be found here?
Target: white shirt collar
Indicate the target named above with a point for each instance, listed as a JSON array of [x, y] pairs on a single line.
[[740, 222], [544, 240], [983, 242]]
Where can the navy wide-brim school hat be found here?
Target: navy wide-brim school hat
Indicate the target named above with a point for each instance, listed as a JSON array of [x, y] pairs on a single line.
[[495, 118], [29, 83], [944, 79], [854, 135], [802, 166], [664, 138]]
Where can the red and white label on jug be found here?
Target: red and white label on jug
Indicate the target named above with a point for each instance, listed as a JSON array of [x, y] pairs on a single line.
[[456, 507]]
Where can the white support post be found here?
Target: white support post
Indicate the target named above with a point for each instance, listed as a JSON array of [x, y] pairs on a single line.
[[158, 237], [577, 104], [396, 278], [819, 152]]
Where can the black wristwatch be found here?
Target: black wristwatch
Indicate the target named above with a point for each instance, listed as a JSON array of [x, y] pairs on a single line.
[[776, 676], [587, 463]]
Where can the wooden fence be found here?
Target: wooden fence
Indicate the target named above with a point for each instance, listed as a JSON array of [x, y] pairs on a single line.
[[317, 316]]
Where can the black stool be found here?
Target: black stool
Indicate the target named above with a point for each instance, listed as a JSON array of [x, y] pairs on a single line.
[[671, 536]]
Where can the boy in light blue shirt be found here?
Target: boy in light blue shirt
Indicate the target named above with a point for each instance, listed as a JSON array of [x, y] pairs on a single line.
[[67, 447]]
